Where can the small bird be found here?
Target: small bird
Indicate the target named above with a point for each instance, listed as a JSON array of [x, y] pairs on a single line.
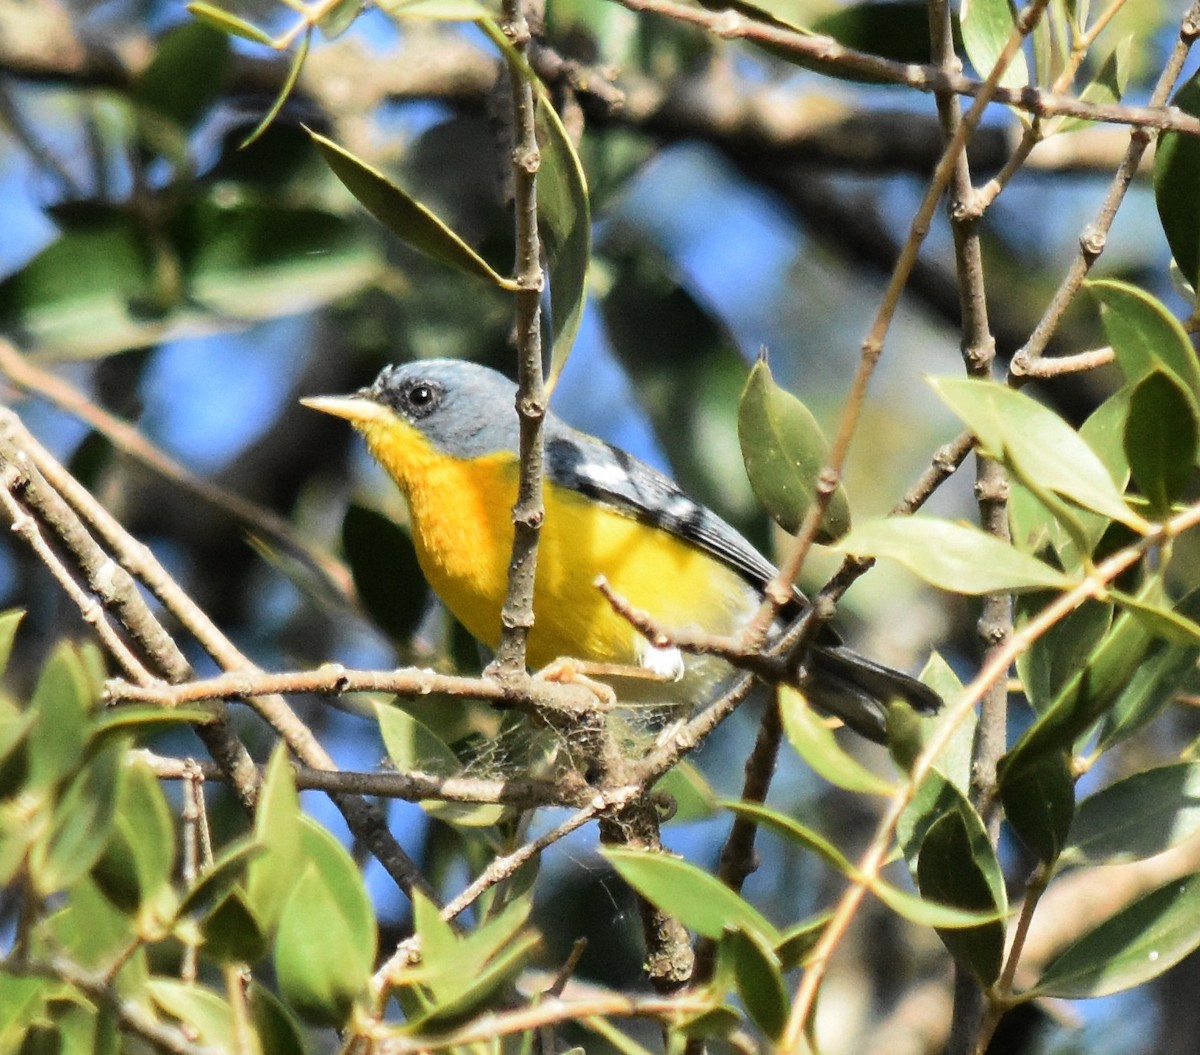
[[446, 431]]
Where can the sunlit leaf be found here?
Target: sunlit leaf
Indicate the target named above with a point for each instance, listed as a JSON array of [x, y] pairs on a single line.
[[698, 900], [403, 215], [784, 452], [987, 26], [1144, 335], [952, 556], [1137, 817], [227, 22], [1138, 943], [816, 744]]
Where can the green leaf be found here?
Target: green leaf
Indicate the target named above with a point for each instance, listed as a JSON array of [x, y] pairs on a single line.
[[9, 621], [758, 976], [692, 794], [1144, 335], [479, 988], [798, 941], [1152, 687], [146, 718], [1159, 620], [88, 927], [140, 857], [186, 75], [565, 228], [1035, 444], [929, 913], [226, 871], [948, 871], [387, 578], [1053, 659], [1137, 817], [794, 832], [816, 744], [325, 943], [1038, 793], [680, 889], [340, 17], [952, 556], [1091, 690], [60, 701], [271, 876], [1131, 947], [295, 68], [209, 1018], [935, 799], [232, 933], [82, 823], [956, 759], [784, 452], [278, 1031], [403, 215], [895, 29], [1176, 177], [412, 745], [1106, 88], [1160, 439], [986, 27], [227, 22]]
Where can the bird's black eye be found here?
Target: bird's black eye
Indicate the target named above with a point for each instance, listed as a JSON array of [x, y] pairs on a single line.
[[422, 398]]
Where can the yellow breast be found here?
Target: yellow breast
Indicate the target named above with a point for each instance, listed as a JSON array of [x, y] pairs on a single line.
[[462, 529]]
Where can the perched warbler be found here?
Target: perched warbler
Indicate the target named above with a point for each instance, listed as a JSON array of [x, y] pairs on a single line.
[[446, 432]]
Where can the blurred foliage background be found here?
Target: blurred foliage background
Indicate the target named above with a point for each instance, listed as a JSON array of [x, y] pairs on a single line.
[[165, 277]]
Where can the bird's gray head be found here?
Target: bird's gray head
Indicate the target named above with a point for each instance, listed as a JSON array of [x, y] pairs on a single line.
[[464, 409]]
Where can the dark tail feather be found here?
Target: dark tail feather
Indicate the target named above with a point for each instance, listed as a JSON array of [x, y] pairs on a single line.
[[858, 690]]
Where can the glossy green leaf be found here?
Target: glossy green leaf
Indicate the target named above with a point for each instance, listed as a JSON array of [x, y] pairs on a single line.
[[477, 989], [226, 871], [227, 22], [1091, 690], [935, 799], [232, 933], [927, 912], [412, 746], [82, 823], [692, 795], [1137, 944], [952, 556], [295, 68], [947, 871], [1176, 177], [271, 876], [565, 228], [1053, 659], [1144, 335], [147, 719], [60, 701], [1151, 688], [986, 27], [1105, 88], [185, 77], [9, 622], [140, 857], [278, 1031], [798, 941], [386, 575], [1160, 620], [1038, 446], [895, 29], [339, 17], [1038, 793], [784, 451], [793, 831], [1137, 817], [403, 215], [208, 1017], [439, 10], [815, 743], [1161, 436], [326, 939], [758, 976], [698, 900]]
